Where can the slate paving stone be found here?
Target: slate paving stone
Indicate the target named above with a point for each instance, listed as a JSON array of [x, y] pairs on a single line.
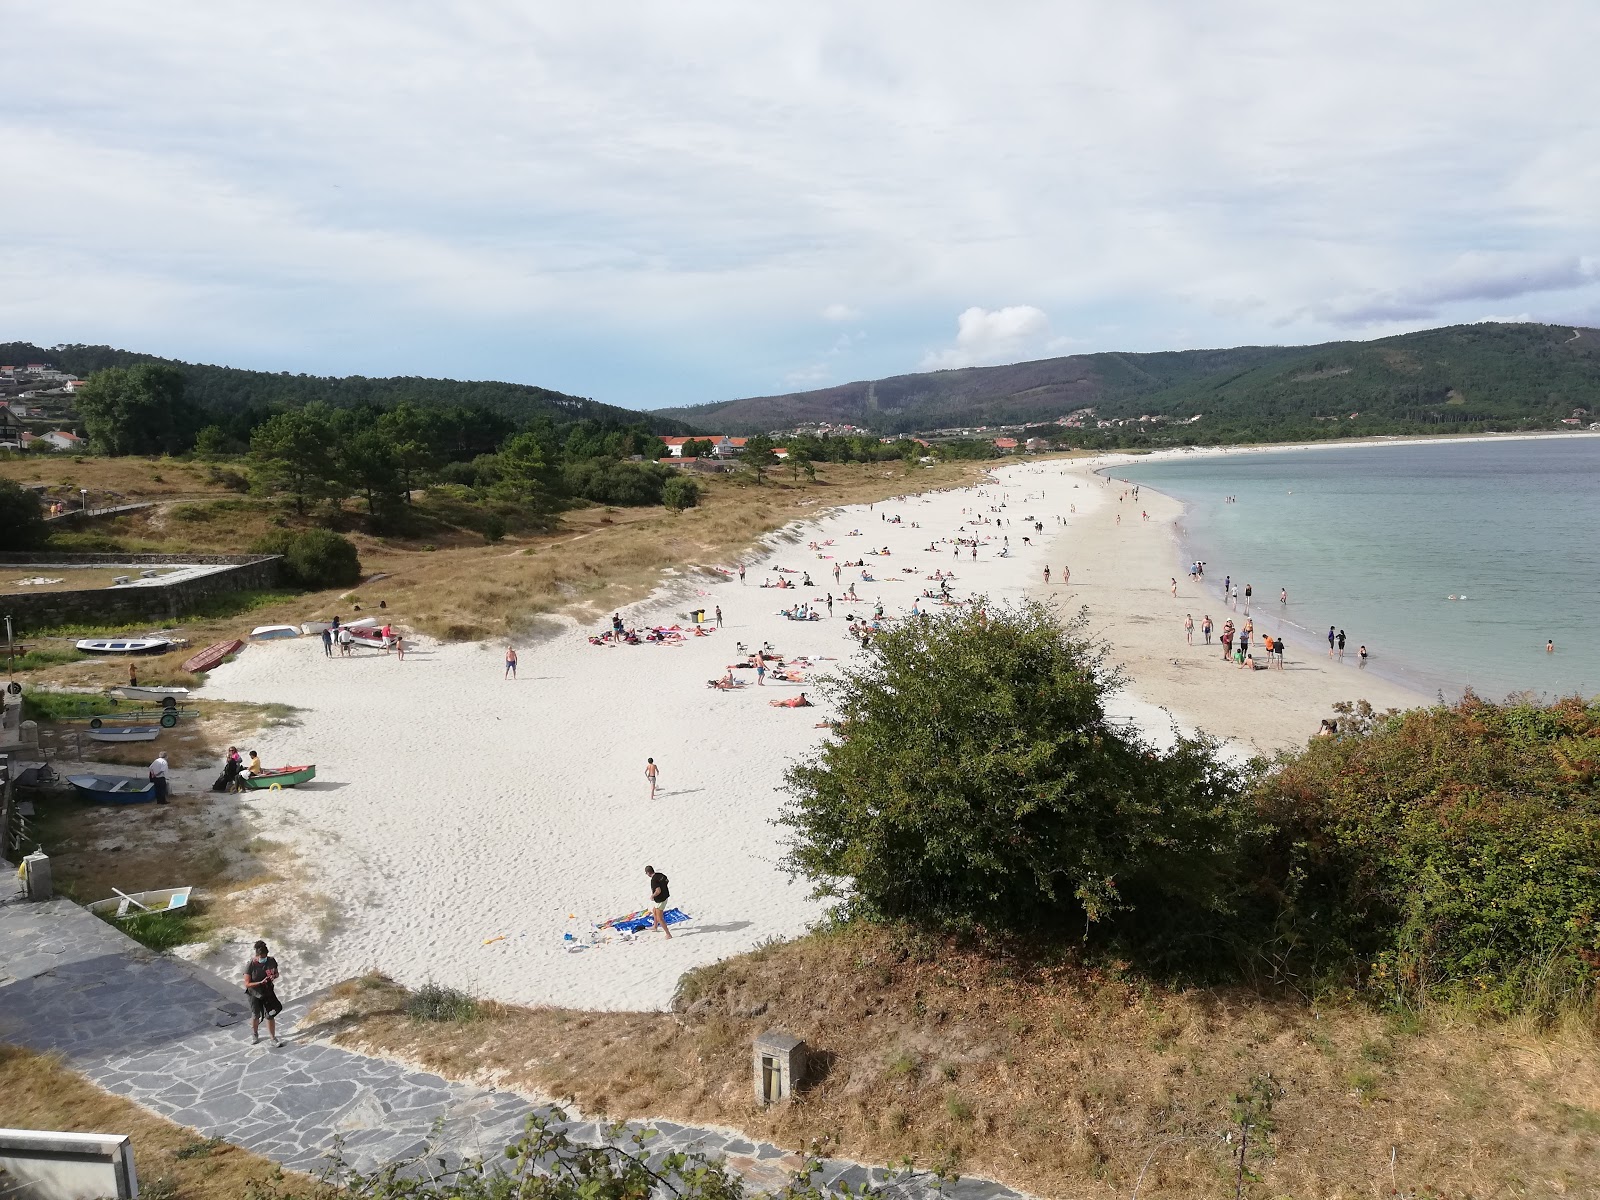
[[151, 1029]]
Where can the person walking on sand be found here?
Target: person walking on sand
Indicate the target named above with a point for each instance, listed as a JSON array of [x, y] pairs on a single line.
[[719, 616], [1174, 587], [260, 984], [1341, 645], [1331, 639], [761, 670], [400, 647], [327, 643], [158, 776], [345, 642], [511, 663], [1188, 628], [659, 895], [1205, 627], [741, 572], [1047, 574], [653, 774], [1248, 592], [1066, 574]]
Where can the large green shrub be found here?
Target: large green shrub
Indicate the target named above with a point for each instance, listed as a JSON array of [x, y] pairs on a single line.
[[1451, 852], [608, 481], [974, 779], [314, 558], [22, 524], [680, 492]]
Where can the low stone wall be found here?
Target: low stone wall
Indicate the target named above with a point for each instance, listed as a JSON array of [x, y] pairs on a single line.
[[159, 603]]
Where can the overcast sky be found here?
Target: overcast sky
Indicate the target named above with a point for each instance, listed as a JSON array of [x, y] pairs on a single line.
[[659, 203]]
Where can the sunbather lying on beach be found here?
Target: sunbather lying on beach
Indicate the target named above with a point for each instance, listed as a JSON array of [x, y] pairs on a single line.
[[799, 701]]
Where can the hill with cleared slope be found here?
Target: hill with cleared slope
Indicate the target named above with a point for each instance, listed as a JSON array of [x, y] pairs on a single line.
[[1460, 378]]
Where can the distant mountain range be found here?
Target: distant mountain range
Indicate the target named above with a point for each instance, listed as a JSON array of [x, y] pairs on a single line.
[[1463, 377], [231, 390]]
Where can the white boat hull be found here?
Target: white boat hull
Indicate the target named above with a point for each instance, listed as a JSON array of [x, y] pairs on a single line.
[[132, 733], [125, 645], [157, 694]]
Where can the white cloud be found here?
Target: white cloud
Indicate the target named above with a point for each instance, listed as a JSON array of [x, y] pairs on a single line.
[[991, 336], [390, 172]]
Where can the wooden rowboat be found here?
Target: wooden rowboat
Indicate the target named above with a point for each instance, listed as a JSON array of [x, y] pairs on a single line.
[[125, 645], [126, 733], [282, 776], [136, 904], [112, 789], [160, 695], [211, 656]]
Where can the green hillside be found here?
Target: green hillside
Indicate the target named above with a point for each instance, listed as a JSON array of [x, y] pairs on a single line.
[[229, 390], [1461, 379]]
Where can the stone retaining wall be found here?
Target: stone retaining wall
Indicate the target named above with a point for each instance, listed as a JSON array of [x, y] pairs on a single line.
[[159, 603]]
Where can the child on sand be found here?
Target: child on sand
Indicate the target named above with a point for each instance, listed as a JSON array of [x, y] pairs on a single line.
[[511, 663]]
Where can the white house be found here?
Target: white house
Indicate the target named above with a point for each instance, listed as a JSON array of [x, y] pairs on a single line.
[[62, 440]]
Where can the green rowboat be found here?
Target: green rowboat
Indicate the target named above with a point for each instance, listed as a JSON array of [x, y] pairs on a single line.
[[282, 777]]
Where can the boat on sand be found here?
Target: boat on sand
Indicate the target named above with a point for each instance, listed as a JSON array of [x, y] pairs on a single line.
[[280, 777], [112, 789], [211, 656]]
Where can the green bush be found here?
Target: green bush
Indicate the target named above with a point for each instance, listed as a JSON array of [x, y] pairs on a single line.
[[609, 481], [434, 1002], [314, 558], [975, 781], [680, 492], [1451, 852]]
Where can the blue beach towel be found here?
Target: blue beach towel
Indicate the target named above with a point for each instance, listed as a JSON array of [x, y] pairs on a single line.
[[640, 921]]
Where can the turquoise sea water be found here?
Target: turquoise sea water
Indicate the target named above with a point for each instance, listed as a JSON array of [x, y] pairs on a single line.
[[1374, 539]]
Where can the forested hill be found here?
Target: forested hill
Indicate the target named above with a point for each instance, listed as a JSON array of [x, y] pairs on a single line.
[[1461, 378], [229, 390]]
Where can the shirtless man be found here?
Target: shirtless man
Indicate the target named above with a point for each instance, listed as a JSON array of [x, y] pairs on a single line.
[[653, 772]]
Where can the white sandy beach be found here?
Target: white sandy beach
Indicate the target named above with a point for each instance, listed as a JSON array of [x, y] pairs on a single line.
[[458, 819]]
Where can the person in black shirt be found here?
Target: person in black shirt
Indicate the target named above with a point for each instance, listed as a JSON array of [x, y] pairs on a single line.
[[260, 975], [659, 895]]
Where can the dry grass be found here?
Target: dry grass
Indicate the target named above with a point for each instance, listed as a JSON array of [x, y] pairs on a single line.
[[111, 481], [444, 580], [1062, 1080], [37, 1092], [202, 841]]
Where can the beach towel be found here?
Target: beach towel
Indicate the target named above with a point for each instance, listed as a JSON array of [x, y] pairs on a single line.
[[638, 922]]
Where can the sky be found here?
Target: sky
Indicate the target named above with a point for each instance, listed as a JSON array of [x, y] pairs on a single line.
[[659, 204]]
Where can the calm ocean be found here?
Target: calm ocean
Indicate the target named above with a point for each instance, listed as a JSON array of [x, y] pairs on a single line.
[[1375, 539]]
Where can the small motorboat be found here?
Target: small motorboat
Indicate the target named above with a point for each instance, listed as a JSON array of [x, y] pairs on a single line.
[[280, 777], [161, 695], [211, 656], [125, 645], [126, 733], [371, 638], [112, 789], [136, 904], [266, 632]]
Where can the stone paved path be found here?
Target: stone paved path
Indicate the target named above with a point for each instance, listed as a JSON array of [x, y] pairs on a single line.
[[176, 1039]]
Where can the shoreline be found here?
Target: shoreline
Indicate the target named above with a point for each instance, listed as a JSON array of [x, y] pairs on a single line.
[[1124, 583]]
